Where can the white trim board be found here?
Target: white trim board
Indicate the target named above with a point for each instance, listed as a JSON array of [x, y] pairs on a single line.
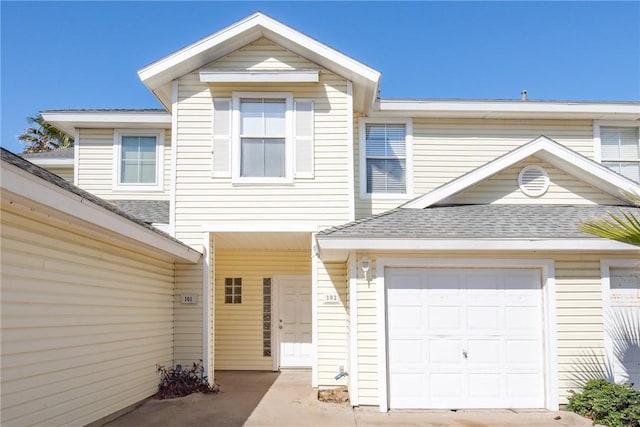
[[68, 121], [546, 149], [269, 76], [548, 292], [21, 186]]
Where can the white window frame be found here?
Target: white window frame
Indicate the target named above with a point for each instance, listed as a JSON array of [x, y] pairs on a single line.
[[158, 185], [597, 124], [236, 151], [362, 143]]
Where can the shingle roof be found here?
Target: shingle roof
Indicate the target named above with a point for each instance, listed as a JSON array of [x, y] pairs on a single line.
[[476, 222], [54, 179], [63, 153], [150, 211]]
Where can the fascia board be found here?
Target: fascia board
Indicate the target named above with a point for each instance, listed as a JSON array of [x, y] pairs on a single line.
[[506, 109], [27, 186], [327, 244], [69, 121]]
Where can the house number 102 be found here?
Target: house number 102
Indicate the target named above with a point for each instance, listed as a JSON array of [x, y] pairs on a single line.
[[331, 299]]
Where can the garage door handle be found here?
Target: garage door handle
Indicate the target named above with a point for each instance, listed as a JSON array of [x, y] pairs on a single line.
[[464, 353]]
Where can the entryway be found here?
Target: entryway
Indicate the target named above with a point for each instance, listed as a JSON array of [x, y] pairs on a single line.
[[292, 321]]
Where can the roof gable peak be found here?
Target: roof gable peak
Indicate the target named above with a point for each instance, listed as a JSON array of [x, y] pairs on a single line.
[[546, 149]]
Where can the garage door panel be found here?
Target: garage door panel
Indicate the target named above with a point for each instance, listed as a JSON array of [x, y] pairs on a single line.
[[492, 316]]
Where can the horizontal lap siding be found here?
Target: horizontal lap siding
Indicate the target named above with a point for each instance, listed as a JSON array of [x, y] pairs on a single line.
[[238, 327], [65, 173], [444, 149], [96, 171], [84, 324], [201, 199], [563, 189], [188, 318], [579, 329], [333, 326]]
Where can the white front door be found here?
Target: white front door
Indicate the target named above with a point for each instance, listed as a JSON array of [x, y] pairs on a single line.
[[465, 338], [294, 321], [623, 324]]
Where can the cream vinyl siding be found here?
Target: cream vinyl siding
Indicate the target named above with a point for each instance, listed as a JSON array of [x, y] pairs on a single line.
[[580, 329], [238, 327], [202, 199], [187, 327], [84, 322], [95, 167], [65, 172], [503, 188], [444, 149], [333, 324]]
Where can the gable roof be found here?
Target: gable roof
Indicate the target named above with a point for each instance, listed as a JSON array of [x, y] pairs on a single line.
[[69, 120], [67, 198], [159, 75], [62, 153], [472, 228], [546, 149]]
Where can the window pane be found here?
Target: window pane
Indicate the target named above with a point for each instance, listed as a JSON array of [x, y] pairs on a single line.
[[385, 140], [262, 117], [252, 157], [385, 176], [274, 158], [619, 143], [631, 170], [138, 160], [274, 111], [262, 157]]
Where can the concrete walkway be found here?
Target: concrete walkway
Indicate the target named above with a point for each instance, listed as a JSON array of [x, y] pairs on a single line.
[[256, 399]]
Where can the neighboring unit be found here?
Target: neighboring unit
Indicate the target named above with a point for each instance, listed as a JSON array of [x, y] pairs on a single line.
[[427, 248]]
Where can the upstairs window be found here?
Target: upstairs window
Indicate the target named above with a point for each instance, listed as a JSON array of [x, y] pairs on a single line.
[[263, 138], [620, 150], [386, 158], [137, 158]]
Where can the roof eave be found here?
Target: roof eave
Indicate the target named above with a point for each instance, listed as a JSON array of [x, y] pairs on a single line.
[[336, 249], [69, 121], [505, 109], [159, 75]]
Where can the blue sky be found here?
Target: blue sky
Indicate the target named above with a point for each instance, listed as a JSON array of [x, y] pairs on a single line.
[[86, 54]]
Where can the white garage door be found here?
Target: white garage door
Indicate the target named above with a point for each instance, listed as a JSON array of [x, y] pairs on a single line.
[[465, 338]]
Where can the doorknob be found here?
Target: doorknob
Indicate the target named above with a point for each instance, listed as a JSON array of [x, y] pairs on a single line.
[[464, 353]]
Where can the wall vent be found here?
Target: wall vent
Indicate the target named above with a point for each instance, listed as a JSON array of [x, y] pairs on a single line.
[[533, 180]]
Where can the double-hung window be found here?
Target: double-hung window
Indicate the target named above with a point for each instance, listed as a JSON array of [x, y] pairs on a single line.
[[263, 135], [137, 159], [385, 158], [620, 150]]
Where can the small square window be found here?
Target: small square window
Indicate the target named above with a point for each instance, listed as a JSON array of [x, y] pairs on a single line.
[[138, 160], [233, 290]]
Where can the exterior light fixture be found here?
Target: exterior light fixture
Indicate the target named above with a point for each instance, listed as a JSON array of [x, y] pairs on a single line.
[[365, 266]]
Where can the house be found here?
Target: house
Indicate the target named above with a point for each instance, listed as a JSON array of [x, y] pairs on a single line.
[[424, 253]]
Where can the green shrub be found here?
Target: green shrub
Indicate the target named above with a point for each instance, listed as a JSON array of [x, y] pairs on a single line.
[[614, 405], [179, 382]]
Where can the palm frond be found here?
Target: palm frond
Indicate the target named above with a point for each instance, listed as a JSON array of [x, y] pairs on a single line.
[[623, 227]]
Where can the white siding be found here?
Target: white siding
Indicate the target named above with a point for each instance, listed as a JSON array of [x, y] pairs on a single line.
[[444, 149], [84, 322], [238, 327], [201, 199], [580, 330], [503, 189], [95, 167]]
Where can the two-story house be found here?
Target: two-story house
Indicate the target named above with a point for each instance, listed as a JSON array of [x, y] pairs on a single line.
[[423, 252]]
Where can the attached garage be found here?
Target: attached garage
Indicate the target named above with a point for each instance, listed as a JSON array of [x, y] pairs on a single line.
[[465, 338]]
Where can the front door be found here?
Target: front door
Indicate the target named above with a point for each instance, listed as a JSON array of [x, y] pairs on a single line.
[[294, 321]]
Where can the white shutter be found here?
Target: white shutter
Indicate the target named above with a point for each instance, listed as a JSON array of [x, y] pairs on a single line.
[[221, 149], [303, 138]]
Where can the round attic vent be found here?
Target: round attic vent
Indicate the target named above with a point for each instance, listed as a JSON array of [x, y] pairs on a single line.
[[533, 181]]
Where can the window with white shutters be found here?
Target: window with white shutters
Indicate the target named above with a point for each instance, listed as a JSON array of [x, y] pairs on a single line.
[[386, 161], [620, 150], [263, 138]]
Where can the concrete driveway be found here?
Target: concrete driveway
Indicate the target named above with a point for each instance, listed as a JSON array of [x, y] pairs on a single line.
[[252, 399]]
